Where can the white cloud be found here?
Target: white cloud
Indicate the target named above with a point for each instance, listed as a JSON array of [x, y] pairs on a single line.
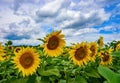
[[26, 42], [112, 27], [85, 30], [20, 25], [92, 37], [79, 19], [50, 9], [76, 19], [108, 28]]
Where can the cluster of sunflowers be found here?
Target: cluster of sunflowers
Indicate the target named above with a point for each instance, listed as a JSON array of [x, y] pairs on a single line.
[[55, 62]]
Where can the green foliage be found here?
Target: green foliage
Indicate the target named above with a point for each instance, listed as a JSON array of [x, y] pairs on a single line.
[[116, 54], [49, 72], [8, 43], [80, 79], [62, 70], [109, 75]]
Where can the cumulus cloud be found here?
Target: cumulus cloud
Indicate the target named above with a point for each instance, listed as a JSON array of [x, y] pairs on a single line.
[[75, 15], [25, 21], [50, 9]]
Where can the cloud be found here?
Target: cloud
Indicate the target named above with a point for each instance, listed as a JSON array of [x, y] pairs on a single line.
[[25, 21], [90, 37], [74, 32], [50, 9], [113, 28], [74, 15], [12, 36]]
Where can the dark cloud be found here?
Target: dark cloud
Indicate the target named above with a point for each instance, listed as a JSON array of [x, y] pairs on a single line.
[[13, 36], [45, 14], [24, 23], [13, 26], [83, 22], [17, 4], [41, 16]]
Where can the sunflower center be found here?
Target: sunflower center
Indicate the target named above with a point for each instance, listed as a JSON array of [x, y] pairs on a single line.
[[26, 60], [105, 58], [17, 50], [53, 43], [80, 53], [10, 47]]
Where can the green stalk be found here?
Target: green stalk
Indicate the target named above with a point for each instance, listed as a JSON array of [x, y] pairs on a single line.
[[66, 76], [4, 72]]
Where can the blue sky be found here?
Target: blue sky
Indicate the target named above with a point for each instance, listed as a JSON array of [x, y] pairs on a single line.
[[24, 21]]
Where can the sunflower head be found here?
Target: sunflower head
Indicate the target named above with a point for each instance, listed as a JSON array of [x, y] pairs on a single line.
[[93, 49], [106, 58], [100, 42], [26, 60], [1, 47], [17, 49], [80, 53], [110, 50], [2, 53], [117, 47], [10, 47], [54, 44]]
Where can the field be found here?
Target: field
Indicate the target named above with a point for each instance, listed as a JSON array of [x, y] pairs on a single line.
[[54, 62]]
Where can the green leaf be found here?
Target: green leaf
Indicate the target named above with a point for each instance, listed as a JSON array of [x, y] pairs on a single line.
[[38, 78], [5, 63], [105, 82], [80, 79], [116, 53], [31, 79], [93, 73], [44, 79], [116, 78], [3, 81], [41, 39], [62, 81], [21, 80], [71, 80], [95, 80], [108, 74], [49, 72]]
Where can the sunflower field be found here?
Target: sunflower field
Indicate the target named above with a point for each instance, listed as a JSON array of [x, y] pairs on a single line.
[[54, 62]]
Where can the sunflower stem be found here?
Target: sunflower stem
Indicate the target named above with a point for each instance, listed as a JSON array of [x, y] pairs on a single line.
[[4, 72], [67, 76]]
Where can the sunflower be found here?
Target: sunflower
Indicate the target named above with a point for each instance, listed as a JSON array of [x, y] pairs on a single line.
[[80, 53], [93, 49], [54, 44], [66, 50], [27, 61], [110, 50], [106, 58], [10, 47], [100, 42], [17, 49], [2, 52], [117, 47], [1, 47]]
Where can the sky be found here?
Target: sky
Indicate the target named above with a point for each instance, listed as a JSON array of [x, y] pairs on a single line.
[[24, 21]]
